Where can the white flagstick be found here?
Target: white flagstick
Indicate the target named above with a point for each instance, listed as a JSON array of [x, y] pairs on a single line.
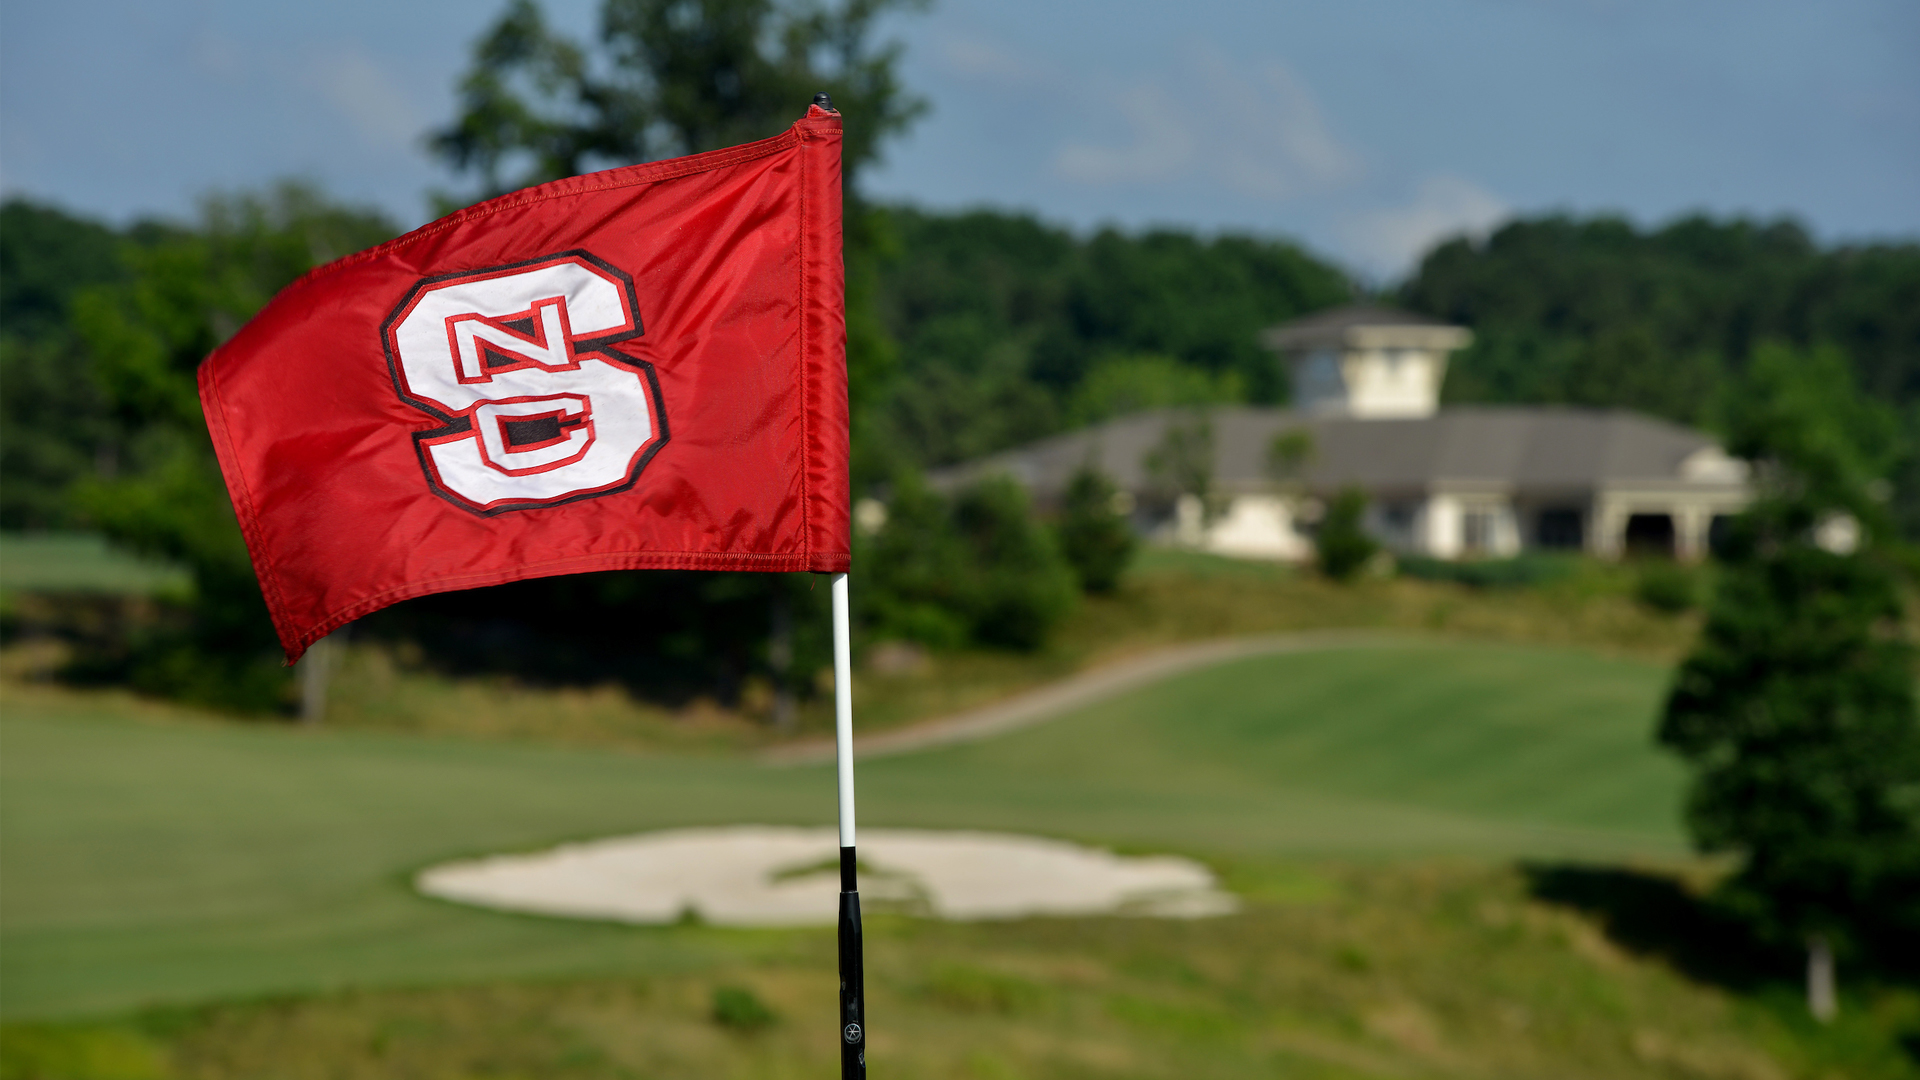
[[853, 1005], [843, 705]]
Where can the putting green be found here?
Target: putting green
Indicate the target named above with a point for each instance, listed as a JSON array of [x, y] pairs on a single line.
[[147, 861]]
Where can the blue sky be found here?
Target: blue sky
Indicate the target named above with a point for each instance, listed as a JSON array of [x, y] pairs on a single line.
[[1366, 128]]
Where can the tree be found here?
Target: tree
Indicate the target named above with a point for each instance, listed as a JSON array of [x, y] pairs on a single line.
[[1011, 328], [1095, 537], [1119, 385], [1797, 708], [1288, 456], [54, 425], [675, 77], [1342, 541], [1181, 462], [186, 290]]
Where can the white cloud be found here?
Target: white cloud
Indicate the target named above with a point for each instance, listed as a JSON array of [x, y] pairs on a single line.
[[1388, 240], [379, 109], [984, 60], [1163, 146], [1257, 133], [219, 56]]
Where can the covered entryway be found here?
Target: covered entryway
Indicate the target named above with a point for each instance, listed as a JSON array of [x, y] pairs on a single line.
[[1650, 535]]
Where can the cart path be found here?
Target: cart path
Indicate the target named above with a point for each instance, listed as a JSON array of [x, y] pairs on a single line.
[[1046, 702]]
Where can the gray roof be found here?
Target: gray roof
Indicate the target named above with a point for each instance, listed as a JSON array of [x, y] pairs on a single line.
[[1540, 451], [1338, 325], [1351, 315]]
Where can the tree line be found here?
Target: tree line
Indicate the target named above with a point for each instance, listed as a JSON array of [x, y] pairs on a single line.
[[1597, 312]]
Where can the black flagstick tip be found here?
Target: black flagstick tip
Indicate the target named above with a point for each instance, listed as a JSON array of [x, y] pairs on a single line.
[[824, 100]]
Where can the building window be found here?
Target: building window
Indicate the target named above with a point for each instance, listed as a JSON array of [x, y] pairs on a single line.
[[1559, 528], [1397, 518], [1323, 372], [1476, 532]]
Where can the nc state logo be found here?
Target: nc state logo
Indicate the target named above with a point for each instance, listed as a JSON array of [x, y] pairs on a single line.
[[514, 362]]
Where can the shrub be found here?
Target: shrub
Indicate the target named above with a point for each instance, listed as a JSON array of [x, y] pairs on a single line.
[[1343, 544], [907, 581], [1097, 542], [1018, 586], [741, 1009], [1666, 587], [977, 569], [1520, 571]]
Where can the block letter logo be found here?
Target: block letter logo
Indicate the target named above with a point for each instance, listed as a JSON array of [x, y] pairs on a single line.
[[514, 361]]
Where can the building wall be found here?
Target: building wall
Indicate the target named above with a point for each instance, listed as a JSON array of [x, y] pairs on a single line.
[[1259, 527], [1452, 525], [1691, 512], [1392, 382], [1440, 532], [1396, 382]]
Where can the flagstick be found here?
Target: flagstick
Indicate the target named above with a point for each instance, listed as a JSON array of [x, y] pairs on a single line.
[[853, 995]]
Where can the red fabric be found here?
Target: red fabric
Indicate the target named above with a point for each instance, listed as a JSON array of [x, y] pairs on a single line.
[[407, 420]]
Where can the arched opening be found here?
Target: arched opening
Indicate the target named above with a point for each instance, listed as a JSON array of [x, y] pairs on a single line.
[[1650, 535]]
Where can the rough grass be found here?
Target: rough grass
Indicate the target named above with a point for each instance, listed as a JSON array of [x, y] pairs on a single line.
[[1171, 597], [1331, 971]]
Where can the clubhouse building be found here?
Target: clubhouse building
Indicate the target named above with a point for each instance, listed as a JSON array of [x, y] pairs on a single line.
[[1460, 482]]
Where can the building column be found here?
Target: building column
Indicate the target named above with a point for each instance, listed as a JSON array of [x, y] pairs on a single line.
[[1607, 529], [1690, 525], [1508, 538], [1441, 527]]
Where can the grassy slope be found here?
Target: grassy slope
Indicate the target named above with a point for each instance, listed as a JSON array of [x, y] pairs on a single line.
[[183, 860], [1171, 597]]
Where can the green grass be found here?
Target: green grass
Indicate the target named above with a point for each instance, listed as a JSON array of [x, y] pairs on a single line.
[[79, 562], [1403, 749], [177, 860], [1352, 972], [191, 899]]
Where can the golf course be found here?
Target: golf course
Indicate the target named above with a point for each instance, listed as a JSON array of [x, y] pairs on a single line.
[[174, 860], [188, 896]]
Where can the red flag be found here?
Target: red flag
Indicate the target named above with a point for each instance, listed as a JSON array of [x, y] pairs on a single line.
[[637, 368]]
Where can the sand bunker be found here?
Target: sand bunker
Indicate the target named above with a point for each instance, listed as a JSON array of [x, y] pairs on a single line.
[[759, 875]]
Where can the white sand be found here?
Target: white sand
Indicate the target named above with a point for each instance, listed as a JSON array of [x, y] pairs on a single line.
[[762, 875]]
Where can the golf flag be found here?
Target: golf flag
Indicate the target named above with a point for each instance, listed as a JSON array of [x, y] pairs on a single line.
[[642, 368]]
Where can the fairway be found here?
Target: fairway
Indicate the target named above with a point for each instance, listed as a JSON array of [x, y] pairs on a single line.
[[1404, 749], [148, 861]]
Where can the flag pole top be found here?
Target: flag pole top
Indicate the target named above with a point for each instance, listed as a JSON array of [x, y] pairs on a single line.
[[824, 100]]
